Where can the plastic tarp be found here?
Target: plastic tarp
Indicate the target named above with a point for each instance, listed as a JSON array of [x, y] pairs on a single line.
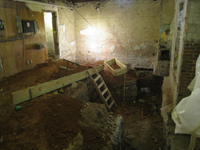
[[186, 114]]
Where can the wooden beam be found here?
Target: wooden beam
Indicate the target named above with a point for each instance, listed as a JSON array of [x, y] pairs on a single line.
[[21, 96], [35, 91]]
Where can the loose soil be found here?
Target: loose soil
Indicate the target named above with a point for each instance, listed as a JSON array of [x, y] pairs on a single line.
[[143, 126], [40, 74], [142, 120], [48, 123], [115, 66]]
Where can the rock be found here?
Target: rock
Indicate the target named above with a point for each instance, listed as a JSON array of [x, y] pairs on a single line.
[[154, 107], [60, 90], [74, 85], [155, 140], [129, 137], [1, 89], [145, 90], [63, 67], [127, 112], [55, 92], [1, 140], [77, 144], [142, 101]]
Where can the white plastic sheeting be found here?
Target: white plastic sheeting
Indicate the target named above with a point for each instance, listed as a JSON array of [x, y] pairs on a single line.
[[186, 114]]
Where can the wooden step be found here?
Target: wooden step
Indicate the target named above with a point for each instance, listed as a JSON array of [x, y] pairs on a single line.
[[104, 91], [108, 98], [100, 85], [97, 78], [111, 104]]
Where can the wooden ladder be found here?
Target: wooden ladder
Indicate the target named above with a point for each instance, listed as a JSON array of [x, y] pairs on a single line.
[[102, 90]]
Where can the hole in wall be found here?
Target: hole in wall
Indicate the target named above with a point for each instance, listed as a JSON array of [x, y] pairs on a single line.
[[165, 55]]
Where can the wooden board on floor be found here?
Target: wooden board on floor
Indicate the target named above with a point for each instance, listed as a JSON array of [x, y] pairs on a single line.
[[35, 91], [21, 96]]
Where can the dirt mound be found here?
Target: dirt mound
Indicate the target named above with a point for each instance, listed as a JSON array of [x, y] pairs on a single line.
[[48, 123], [42, 73]]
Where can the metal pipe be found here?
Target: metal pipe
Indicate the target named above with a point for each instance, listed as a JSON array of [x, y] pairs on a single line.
[[39, 3]]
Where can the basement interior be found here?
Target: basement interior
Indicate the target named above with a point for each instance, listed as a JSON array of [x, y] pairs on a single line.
[[99, 74]]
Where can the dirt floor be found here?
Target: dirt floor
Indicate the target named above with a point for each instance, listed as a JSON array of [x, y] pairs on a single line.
[[142, 119], [47, 123], [50, 121], [42, 73]]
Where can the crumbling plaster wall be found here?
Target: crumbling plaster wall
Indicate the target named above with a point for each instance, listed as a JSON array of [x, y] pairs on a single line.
[[167, 14], [67, 34], [191, 48], [129, 31], [174, 77]]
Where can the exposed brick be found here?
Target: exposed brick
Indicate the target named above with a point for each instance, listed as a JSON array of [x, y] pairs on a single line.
[[189, 47], [188, 55], [196, 55]]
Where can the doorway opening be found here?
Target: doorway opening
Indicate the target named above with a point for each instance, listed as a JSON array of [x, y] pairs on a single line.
[[51, 33]]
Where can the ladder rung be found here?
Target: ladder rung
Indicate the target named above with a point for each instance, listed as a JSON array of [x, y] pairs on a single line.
[[97, 78], [100, 85], [108, 98], [104, 91], [111, 104]]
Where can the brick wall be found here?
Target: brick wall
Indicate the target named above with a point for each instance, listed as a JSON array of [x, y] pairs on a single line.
[[190, 56], [191, 48]]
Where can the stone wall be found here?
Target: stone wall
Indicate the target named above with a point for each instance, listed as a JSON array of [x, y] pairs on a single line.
[[126, 30]]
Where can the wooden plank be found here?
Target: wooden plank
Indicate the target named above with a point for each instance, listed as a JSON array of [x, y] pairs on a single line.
[[21, 96], [104, 91], [35, 91], [97, 78], [108, 97], [119, 63], [120, 71], [64, 81], [111, 104], [100, 85]]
